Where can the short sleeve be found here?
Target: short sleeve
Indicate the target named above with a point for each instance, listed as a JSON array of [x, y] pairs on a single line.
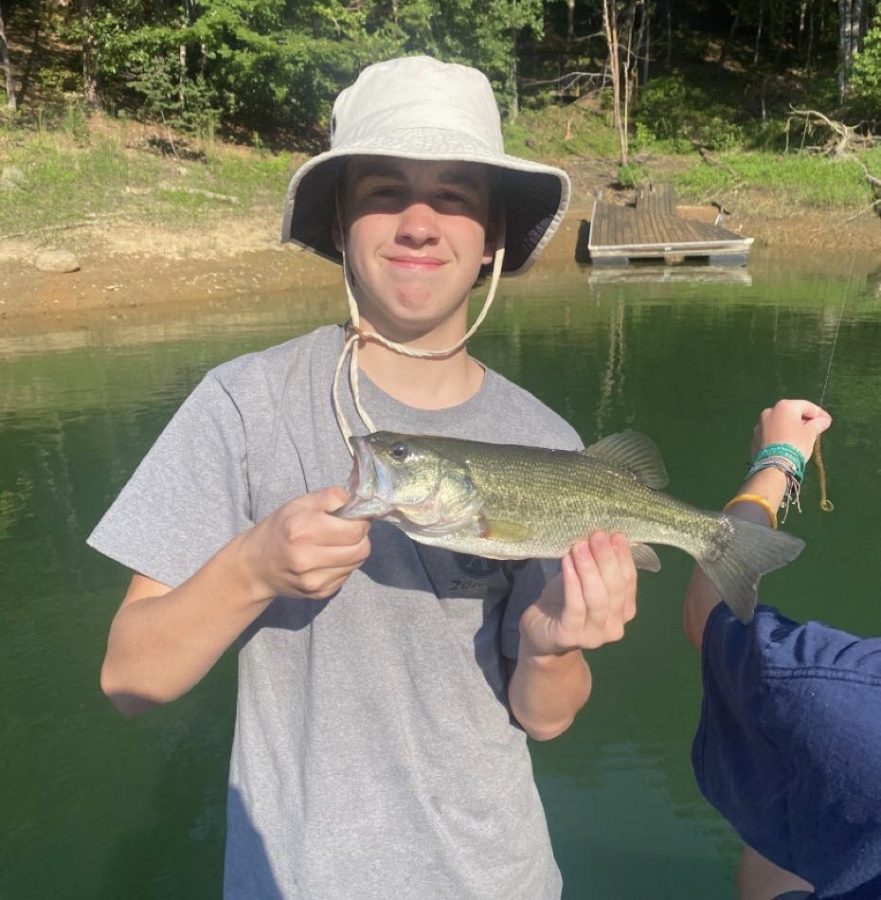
[[188, 497]]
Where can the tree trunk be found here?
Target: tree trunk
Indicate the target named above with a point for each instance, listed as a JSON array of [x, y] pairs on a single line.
[[570, 20], [6, 63], [90, 69], [850, 14], [809, 49], [669, 18], [735, 22], [610, 29], [514, 80], [182, 77], [758, 33], [638, 54]]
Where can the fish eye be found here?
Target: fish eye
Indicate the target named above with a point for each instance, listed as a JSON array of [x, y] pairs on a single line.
[[399, 450]]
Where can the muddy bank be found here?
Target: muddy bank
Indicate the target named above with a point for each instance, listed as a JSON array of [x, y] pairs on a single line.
[[128, 266]]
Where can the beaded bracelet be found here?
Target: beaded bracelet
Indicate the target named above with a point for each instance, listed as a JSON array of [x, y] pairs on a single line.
[[785, 451], [759, 500], [783, 463], [793, 480]]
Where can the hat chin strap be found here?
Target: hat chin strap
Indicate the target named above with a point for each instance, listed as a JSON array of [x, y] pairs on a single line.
[[350, 348]]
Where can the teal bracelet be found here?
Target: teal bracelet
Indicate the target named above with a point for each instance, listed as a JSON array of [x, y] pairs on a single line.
[[787, 451]]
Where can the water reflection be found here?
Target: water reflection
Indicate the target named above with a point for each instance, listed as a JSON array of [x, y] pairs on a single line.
[[137, 809]]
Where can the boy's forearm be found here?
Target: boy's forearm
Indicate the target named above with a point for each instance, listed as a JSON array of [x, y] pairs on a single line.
[[545, 692], [161, 646]]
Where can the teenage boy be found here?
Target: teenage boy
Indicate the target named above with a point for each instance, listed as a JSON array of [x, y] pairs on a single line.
[[386, 689]]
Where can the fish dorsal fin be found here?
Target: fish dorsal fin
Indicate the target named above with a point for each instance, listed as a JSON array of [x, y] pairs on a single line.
[[634, 451]]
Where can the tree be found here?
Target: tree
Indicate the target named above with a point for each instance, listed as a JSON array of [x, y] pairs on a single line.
[[276, 65], [6, 63], [90, 74], [625, 28], [850, 18], [865, 79]]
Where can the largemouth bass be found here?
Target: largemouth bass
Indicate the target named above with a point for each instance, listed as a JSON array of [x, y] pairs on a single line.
[[514, 502]]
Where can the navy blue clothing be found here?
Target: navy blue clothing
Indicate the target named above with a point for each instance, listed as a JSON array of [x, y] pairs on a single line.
[[788, 748]]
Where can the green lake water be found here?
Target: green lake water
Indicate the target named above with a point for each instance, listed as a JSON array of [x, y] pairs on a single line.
[[99, 807]]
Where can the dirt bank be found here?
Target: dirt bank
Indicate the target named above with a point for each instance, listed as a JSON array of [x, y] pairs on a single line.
[[126, 265]]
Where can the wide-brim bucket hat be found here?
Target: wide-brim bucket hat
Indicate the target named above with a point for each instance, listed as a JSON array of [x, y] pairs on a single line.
[[423, 109]]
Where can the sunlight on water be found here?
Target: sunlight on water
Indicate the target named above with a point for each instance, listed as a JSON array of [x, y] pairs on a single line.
[[135, 809]]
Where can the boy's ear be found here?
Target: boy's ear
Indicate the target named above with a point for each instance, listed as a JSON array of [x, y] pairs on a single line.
[[336, 234], [489, 247]]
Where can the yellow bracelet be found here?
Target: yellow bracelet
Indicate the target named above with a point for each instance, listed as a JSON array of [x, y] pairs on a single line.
[[759, 500]]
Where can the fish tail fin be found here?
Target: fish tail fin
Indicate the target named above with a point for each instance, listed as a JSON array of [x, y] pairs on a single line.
[[740, 556]]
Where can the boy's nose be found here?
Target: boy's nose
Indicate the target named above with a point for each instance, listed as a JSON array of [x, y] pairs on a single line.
[[418, 223]]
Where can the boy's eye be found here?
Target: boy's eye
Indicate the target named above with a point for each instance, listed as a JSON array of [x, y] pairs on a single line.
[[452, 197], [385, 190]]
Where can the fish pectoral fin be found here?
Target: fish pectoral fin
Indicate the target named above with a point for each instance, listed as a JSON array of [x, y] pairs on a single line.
[[634, 451], [503, 530], [645, 558], [363, 508]]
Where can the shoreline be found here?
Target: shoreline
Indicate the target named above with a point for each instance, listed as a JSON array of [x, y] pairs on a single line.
[[125, 266]]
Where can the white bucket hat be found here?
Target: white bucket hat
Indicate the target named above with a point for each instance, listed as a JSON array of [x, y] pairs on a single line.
[[420, 108]]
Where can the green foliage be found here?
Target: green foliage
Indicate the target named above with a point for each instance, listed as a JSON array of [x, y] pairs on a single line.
[[67, 181], [865, 79], [804, 179], [276, 65], [560, 131], [631, 175], [682, 116], [62, 182]]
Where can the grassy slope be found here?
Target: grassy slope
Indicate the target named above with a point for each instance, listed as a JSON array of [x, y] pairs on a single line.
[[100, 168], [64, 168]]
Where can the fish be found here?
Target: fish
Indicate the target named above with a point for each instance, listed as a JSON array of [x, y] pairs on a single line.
[[511, 501]]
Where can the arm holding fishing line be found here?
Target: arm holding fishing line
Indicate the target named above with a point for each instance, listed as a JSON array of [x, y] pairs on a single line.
[[790, 427], [585, 606], [787, 744]]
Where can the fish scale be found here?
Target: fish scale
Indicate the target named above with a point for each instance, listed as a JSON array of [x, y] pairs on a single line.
[[562, 496]]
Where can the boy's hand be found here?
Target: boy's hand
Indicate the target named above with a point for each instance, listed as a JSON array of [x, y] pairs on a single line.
[[588, 604], [302, 550]]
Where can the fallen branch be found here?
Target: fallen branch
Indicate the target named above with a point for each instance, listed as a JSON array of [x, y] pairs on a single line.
[[845, 138], [874, 183], [875, 207], [710, 160], [69, 225]]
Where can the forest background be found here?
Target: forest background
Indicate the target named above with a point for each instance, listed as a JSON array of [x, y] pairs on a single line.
[[171, 128]]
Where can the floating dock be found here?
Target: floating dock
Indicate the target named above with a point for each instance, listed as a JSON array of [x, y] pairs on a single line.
[[651, 230]]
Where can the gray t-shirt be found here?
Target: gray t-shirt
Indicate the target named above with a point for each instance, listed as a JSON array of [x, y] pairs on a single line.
[[374, 754]]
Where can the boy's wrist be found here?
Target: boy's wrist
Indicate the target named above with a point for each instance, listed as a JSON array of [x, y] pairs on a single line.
[[244, 574]]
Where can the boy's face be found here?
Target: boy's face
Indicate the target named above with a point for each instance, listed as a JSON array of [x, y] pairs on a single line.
[[416, 236]]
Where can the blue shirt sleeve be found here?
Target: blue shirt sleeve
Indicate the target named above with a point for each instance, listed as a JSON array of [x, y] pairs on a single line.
[[788, 748]]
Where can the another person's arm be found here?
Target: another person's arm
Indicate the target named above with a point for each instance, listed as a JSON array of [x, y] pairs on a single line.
[[163, 641], [796, 422], [760, 879], [799, 423], [584, 607]]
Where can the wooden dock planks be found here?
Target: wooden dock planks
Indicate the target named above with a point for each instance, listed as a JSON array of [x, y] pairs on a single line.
[[652, 230]]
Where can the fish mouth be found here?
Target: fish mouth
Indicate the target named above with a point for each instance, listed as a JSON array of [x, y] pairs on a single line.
[[368, 483]]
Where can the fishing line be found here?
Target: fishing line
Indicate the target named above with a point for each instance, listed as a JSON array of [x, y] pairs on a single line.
[[825, 503]]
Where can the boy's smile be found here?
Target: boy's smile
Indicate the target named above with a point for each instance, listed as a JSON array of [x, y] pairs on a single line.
[[416, 237]]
